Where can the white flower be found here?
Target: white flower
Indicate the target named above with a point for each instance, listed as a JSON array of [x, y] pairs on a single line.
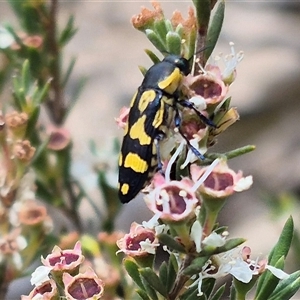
[[11, 245], [243, 184], [199, 102], [277, 272], [40, 275], [196, 235], [232, 262], [6, 38], [149, 246], [214, 240]]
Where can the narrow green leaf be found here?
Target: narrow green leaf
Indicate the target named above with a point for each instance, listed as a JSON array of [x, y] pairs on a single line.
[[167, 240], [30, 129], [286, 288], [214, 29], [172, 272], [173, 43], [68, 72], [284, 242], [169, 25], [42, 93], [154, 58], [232, 293], [75, 94], [154, 281], [179, 29], [25, 75], [133, 271], [68, 32], [18, 94], [196, 266], [219, 293], [149, 289], [190, 293], [163, 273], [230, 244], [241, 288], [160, 28], [268, 282], [280, 249], [221, 229], [143, 70], [203, 10], [208, 285], [142, 294], [155, 40]]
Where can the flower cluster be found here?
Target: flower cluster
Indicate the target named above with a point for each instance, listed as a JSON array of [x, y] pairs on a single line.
[[187, 195], [23, 217], [61, 270]]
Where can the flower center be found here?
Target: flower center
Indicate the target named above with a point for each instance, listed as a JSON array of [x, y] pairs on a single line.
[[218, 181]]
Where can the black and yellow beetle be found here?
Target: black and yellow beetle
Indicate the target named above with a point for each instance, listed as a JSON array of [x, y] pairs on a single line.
[[153, 107]]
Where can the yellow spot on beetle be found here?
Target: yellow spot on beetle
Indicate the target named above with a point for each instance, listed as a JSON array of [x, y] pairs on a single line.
[[137, 131], [133, 99], [124, 188], [146, 98], [136, 163], [120, 159], [159, 116], [172, 82]]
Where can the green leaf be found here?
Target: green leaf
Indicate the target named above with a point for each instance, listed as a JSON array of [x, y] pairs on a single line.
[[133, 271], [268, 282], [163, 273], [286, 288], [143, 70], [214, 29], [154, 58], [232, 293], [242, 288], [219, 293], [160, 28], [172, 271], [30, 129], [284, 242], [42, 93], [68, 32], [155, 40], [190, 293], [167, 240], [203, 10], [173, 43], [208, 285], [280, 249], [230, 244], [75, 94], [221, 229], [142, 294], [149, 289], [169, 25], [68, 72], [154, 281], [196, 266], [25, 76]]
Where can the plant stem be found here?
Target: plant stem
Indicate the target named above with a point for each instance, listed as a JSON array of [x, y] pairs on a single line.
[[55, 103], [181, 278]]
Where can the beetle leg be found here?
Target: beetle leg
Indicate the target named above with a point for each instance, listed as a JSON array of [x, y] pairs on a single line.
[[177, 124], [190, 105], [157, 139]]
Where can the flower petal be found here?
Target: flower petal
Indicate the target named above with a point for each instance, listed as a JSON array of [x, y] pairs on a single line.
[[277, 272]]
